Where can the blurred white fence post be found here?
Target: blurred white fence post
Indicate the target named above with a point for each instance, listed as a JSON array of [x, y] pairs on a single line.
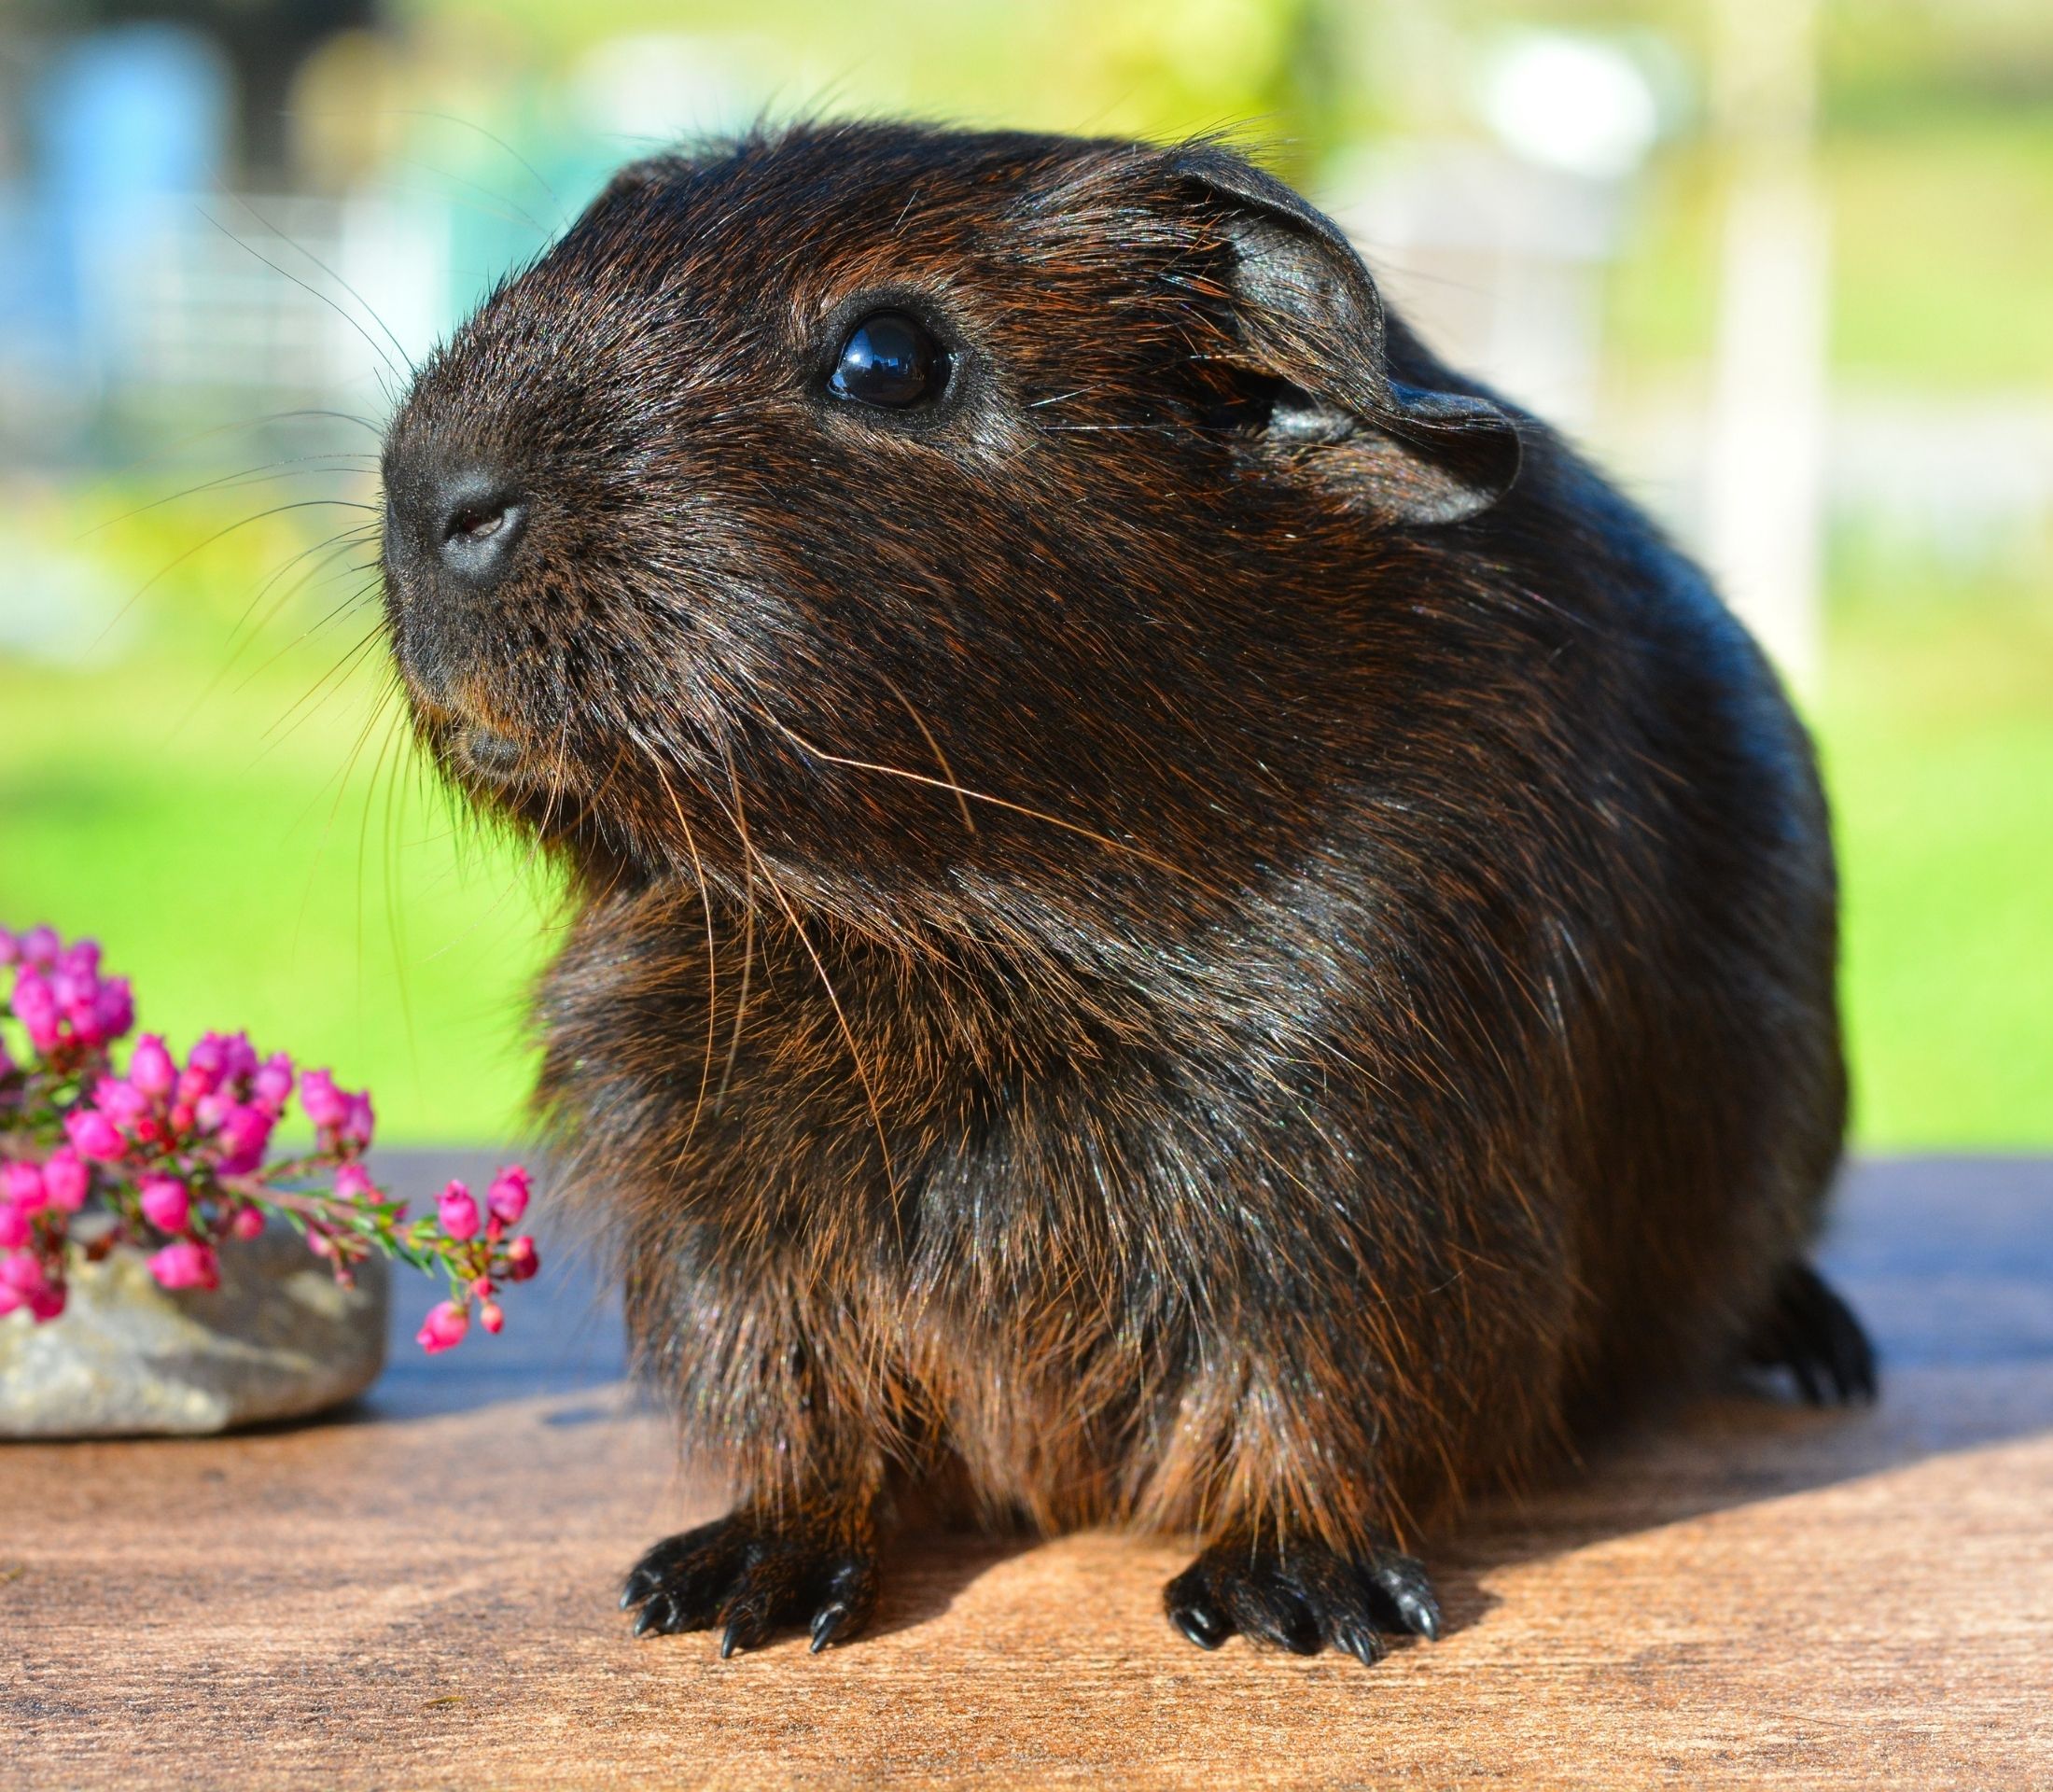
[[1764, 498]]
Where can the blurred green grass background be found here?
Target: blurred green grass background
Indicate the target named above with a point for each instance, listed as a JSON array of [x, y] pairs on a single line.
[[233, 808]]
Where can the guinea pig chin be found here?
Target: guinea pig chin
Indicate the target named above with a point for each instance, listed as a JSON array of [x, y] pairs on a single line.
[[466, 733], [457, 715]]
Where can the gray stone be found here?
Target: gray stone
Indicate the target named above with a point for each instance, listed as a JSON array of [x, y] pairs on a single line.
[[278, 1339]]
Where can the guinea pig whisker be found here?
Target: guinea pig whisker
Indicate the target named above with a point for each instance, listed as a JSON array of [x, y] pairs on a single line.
[[325, 555], [847, 1034], [380, 712], [534, 173], [1061, 398], [307, 633], [738, 815], [712, 956], [177, 561], [536, 840], [370, 342], [1106, 840], [308, 705], [503, 211], [292, 468], [927, 733], [178, 445], [559, 777], [395, 925], [370, 311]]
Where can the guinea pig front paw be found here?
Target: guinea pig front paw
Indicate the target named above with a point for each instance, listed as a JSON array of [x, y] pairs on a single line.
[[1303, 1597], [752, 1576]]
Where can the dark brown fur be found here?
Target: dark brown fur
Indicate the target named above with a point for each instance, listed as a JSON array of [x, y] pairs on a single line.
[[1202, 938]]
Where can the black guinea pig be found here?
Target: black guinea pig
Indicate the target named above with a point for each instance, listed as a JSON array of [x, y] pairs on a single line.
[[1182, 919]]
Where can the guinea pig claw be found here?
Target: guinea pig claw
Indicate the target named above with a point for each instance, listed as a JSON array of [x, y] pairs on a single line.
[[1205, 1624], [828, 1623], [1813, 1333], [1361, 1642], [1402, 1582], [1302, 1597], [747, 1578]]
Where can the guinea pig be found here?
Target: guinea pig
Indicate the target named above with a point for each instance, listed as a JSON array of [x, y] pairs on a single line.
[[1180, 918]]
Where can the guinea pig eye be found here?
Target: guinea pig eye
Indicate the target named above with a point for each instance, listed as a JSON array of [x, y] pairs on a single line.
[[889, 361]]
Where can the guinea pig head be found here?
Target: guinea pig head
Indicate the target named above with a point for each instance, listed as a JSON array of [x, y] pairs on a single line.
[[933, 523]]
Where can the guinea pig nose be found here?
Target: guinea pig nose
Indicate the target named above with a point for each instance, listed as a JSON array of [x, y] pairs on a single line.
[[476, 521]]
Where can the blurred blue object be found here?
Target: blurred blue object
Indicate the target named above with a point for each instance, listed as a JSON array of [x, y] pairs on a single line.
[[139, 110], [118, 122]]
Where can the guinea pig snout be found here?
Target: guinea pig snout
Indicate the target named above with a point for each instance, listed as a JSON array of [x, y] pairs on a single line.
[[456, 533], [456, 518]]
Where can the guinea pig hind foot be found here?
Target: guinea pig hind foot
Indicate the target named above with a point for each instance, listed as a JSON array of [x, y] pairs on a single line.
[[1303, 1597], [750, 1577], [1812, 1333]]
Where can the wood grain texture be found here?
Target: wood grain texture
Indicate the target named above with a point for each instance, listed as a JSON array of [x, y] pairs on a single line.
[[422, 1595]]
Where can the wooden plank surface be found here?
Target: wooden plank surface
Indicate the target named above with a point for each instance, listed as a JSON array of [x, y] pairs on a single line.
[[422, 1595]]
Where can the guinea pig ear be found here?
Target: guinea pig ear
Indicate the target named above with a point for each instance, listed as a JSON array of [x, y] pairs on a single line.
[[1308, 324]]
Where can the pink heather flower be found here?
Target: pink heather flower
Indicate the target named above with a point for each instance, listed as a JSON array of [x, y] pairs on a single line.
[[353, 1181], [110, 1012], [10, 947], [121, 1102], [325, 1104], [248, 1223], [489, 1316], [22, 1271], [23, 1184], [64, 1180], [150, 1067], [165, 1203], [40, 945], [238, 1058], [74, 979], [46, 1302], [458, 1212], [521, 1259], [185, 1265], [507, 1195], [35, 1008], [93, 1136], [245, 1131], [14, 1227], [273, 1082], [444, 1328], [204, 1066], [357, 1121]]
